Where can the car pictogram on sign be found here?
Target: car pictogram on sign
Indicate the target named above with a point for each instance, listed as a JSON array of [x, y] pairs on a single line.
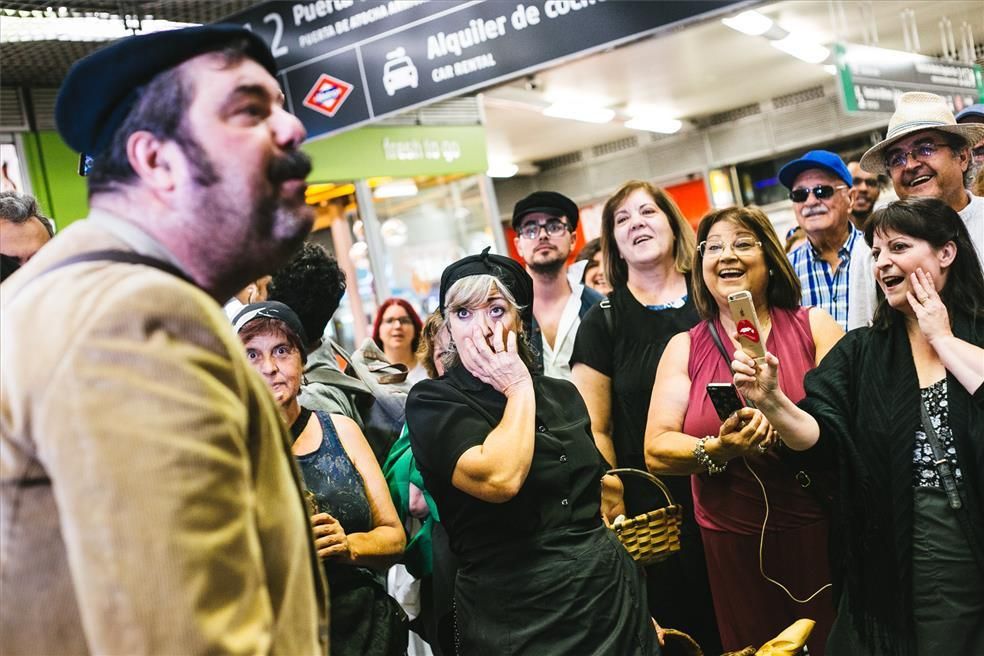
[[327, 95]]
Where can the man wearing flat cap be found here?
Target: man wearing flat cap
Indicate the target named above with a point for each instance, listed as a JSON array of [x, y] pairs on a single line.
[[834, 264], [544, 223], [927, 154], [149, 502]]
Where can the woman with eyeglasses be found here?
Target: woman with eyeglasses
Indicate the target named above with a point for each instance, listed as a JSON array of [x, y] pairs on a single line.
[[397, 332], [907, 538], [737, 477], [648, 249]]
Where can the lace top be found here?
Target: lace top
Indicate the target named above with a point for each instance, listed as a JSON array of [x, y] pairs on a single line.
[[924, 472]]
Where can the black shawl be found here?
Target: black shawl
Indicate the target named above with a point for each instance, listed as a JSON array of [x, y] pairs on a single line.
[[865, 397]]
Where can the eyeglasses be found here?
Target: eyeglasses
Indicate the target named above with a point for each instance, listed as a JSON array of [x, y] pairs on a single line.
[[978, 152], [714, 248], [403, 321], [554, 227], [820, 192], [921, 152]]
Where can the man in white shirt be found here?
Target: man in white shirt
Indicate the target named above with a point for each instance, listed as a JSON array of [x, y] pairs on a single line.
[[927, 154], [545, 222]]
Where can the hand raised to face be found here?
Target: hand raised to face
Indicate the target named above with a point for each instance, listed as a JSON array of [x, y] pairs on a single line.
[[497, 364]]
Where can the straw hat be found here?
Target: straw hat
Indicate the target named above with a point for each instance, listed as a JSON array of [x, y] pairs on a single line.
[[916, 111]]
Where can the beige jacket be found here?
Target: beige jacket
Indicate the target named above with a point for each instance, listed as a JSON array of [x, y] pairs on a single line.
[[149, 503]]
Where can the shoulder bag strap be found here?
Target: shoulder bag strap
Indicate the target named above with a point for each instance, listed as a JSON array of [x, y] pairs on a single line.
[[940, 460], [718, 343], [609, 314], [126, 257]]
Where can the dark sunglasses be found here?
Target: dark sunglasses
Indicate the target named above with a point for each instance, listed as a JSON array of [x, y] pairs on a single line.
[[820, 192]]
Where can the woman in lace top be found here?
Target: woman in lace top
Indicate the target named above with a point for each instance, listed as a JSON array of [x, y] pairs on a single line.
[[907, 558]]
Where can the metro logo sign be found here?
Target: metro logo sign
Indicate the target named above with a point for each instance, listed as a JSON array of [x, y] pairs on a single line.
[[327, 95]]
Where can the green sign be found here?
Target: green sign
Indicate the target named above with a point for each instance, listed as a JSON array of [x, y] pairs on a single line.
[[872, 78], [398, 152]]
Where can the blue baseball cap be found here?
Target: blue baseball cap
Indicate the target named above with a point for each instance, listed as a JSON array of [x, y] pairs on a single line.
[[971, 114], [815, 159]]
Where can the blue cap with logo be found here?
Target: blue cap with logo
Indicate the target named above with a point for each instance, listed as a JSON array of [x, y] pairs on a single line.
[[815, 159]]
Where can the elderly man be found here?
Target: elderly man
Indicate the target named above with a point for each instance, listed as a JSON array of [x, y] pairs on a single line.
[[23, 228], [149, 503], [544, 223], [835, 258], [927, 154], [867, 189]]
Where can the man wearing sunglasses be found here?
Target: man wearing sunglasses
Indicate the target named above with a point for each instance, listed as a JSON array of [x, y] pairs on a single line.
[[545, 222], [834, 264], [927, 154]]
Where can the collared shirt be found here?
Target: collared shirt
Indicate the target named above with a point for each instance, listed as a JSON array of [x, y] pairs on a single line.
[[821, 288], [557, 358], [973, 216], [133, 236]]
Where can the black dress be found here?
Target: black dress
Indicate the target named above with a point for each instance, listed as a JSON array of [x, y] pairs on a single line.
[[678, 589], [539, 574]]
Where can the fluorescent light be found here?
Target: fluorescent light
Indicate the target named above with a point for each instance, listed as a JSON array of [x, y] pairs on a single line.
[[49, 27], [502, 170], [659, 124], [395, 189], [751, 23], [830, 69], [800, 48], [578, 112]]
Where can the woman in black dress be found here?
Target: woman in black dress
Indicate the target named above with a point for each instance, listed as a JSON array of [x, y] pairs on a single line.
[[509, 459], [648, 252], [907, 536]]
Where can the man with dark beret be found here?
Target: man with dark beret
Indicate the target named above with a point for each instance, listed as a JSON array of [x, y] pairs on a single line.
[[545, 222], [149, 503]]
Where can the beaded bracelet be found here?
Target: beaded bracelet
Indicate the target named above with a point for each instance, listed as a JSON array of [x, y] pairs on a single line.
[[704, 460]]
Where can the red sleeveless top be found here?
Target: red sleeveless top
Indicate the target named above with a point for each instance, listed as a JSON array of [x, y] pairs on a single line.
[[732, 501]]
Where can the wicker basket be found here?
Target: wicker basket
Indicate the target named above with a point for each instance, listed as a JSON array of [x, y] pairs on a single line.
[[652, 536]]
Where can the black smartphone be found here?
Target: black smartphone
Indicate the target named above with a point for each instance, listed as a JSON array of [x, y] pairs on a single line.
[[725, 398], [85, 164]]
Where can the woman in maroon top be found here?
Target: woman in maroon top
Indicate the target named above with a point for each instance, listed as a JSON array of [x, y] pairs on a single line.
[[737, 479]]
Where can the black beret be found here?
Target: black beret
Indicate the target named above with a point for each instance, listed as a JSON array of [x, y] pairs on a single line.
[[272, 310], [549, 202], [504, 269], [100, 89]]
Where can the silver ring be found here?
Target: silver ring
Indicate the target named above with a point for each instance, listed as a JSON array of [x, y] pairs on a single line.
[[762, 448]]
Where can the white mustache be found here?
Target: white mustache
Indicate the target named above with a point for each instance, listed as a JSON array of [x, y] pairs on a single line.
[[813, 210]]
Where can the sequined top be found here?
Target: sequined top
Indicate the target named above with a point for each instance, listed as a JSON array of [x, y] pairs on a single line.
[[924, 472]]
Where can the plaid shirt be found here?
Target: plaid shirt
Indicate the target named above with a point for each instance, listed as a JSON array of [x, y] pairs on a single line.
[[820, 287]]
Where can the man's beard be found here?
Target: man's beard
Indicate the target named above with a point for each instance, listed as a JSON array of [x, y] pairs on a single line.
[[550, 267]]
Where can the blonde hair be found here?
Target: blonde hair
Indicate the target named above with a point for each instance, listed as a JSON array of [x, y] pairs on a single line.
[[425, 351], [471, 292]]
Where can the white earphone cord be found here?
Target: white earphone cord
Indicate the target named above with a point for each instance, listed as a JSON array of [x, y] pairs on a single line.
[[765, 520]]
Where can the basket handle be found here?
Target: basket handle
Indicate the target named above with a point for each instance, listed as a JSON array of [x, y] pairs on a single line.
[[646, 475]]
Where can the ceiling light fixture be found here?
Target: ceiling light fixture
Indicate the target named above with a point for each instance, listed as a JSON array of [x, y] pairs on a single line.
[[79, 28], [751, 23], [502, 170], [580, 113], [811, 53], [662, 125]]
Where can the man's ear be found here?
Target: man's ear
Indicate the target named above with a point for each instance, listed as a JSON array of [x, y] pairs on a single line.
[[152, 160], [852, 196]]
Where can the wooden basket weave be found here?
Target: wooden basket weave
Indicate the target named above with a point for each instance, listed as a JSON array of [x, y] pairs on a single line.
[[652, 536]]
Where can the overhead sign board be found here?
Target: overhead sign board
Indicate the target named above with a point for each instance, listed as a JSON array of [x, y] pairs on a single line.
[[399, 54], [872, 78]]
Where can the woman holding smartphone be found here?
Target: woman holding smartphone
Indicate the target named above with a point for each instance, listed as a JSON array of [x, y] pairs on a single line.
[[732, 462], [908, 545]]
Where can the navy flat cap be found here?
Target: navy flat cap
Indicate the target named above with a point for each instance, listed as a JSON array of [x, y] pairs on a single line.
[[100, 89], [549, 202]]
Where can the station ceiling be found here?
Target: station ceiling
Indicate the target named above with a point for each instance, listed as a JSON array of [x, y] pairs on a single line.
[[686, 74]]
